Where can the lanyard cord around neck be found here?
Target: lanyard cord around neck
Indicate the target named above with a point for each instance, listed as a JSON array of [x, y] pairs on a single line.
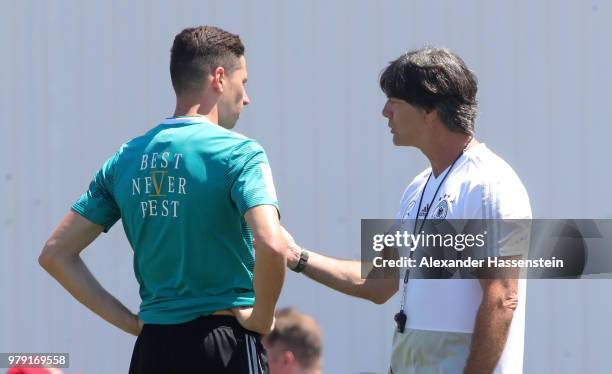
[[416, 220]]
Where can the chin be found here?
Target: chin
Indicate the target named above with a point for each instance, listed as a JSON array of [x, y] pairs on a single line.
[[402, 142]]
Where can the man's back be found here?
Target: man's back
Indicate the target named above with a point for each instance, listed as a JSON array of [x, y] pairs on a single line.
[[193, 197], [182, 190]]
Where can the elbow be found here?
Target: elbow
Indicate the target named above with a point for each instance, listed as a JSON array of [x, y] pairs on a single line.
[[48, 256], [505, 303], [500, 296], [379, 300], [384, 293], [509, 302]]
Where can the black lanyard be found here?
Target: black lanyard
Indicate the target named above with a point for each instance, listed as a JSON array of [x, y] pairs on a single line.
[[400, 317]]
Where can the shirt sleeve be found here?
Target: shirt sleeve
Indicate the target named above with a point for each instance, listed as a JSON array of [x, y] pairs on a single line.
[[97, 204], [251, 177], [507, 214]]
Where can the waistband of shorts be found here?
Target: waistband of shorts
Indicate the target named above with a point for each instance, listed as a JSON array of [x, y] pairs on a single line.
[[207, 322]]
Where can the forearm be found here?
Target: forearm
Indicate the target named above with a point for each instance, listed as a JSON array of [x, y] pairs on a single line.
[[490, 335], [341, 275], [346, 276], [72, 273], [269, 276]]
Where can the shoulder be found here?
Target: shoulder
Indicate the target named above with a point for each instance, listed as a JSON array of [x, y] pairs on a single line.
[[245, 147], [112, 161], [484, 168], [494, 182], [244, 153], [234, 142]]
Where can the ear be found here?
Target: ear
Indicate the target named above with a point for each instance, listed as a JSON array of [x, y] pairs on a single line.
[[287, 358], [218, 78], [431, 116]]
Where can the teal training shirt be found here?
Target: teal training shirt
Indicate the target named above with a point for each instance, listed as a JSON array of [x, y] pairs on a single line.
[[181, 191]]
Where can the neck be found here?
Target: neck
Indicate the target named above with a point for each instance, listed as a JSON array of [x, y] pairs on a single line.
[[194, 106], [445, 149]]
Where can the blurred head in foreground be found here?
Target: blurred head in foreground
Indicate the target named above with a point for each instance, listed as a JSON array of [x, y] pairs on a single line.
[[295, 344], [18, 370]]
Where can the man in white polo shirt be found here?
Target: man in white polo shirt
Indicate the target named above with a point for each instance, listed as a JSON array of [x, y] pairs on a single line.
[[445, 325]]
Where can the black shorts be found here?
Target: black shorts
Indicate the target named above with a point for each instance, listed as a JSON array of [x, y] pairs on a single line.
[[211, 344]]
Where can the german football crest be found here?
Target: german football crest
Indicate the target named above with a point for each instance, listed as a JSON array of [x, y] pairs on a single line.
[[440, 212]]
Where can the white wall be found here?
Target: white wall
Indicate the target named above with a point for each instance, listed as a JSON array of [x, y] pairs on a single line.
[[79, 78]]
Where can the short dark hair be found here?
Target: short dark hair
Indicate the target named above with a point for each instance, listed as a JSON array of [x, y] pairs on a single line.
[[434, 79], [298, 333], [197, 51]]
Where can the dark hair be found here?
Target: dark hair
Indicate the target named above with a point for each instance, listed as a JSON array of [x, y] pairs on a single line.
[[298, 333], [434, 79], [197, 51]]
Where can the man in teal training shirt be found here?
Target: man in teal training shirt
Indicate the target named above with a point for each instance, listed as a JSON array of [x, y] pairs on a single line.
[[193, 196]]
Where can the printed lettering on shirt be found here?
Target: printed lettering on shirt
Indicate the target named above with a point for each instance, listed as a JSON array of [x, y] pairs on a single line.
[[161, 186]]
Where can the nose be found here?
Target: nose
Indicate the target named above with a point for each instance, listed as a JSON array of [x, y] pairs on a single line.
[[246, 100], [386, 112]]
